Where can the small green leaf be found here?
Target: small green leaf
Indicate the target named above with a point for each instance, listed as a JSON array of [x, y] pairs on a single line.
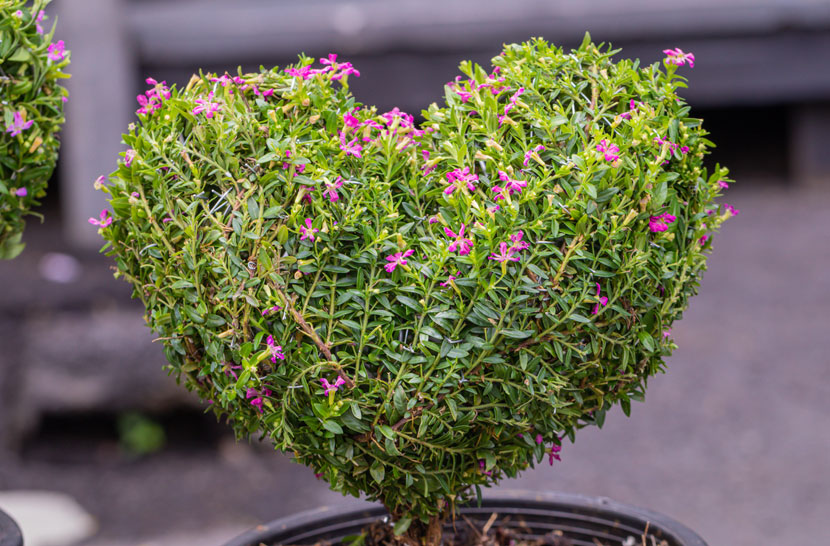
[[331, 426], [401, 526]]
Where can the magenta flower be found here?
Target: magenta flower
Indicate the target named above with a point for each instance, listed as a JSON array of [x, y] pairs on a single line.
[[331, 189], [308, 231], [276, 350], [703, 240], [529, 154], [433, 219], [329, 388], [206, 106], [38, 20], [460, 242], [539, 439], [465, 95], [482, 466], [661, 222], [460, 179], [258, 398], [21, 192], [603, 300], [345, 69], [270, 310], [17, 126], [510, 186], [450, 279], [609, 150], [518, 244], [399, 258], [104, 219], [666, 333], [554, 453], [724, 185], [56, 51], [505, 254], [350, 120], [678, 57], [304, 72], [128, 157], [731, 209], [352, 147]]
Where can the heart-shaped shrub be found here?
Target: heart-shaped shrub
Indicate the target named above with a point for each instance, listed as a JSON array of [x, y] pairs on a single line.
[[31, 111], [417, 311]]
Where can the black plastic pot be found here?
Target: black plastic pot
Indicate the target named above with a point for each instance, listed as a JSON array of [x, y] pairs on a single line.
[[586, 521], [9, 531]]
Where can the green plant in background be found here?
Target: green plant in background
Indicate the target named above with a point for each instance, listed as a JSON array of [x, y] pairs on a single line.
[[418, 311], [31, 114], [140, 435]]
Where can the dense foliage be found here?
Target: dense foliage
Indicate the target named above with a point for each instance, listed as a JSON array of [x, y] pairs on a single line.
[[417, 311], [31, 112]]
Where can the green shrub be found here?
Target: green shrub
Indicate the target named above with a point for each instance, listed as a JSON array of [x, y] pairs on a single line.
[[31, 110], [415, 312]]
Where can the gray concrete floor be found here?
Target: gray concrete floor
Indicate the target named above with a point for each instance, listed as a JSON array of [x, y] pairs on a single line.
[[733, 441]]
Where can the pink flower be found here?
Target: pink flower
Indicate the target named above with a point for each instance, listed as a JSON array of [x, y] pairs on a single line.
[[56, 51], [505, 254], [104, 219], [554, 453], [399, 258], [21, 192], [38, 20], [510, 187], [128, 157], [723, 184], [666, 333], [450, 279], [539, 439], [460, 241], [602, 301], [258, 398], [703, 240], [206, 106], [465, 95], [352, 147], [518, 244], [433, 219], [304, 72], [661, 222], [732, 210], [482, 466], [350, 120], [460, 179], [270, 310], [17, 126], [276, 350], [609, 150], [331, 189], [328, 387], [678, 57], [308, 231], [529, 154], [345, 69]]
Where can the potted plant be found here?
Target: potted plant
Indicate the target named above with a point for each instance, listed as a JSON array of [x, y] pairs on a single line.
[[31, 112], [417, 311]]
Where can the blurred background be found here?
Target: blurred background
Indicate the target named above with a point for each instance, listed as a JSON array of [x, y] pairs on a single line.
[[98, 446]]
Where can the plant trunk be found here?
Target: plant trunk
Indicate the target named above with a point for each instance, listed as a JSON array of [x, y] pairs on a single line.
[[424, 534]]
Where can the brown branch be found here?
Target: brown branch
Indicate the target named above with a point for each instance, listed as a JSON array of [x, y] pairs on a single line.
[[416, 412], [309, 331]]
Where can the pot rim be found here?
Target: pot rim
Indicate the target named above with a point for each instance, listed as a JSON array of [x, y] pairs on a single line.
[[315, 520], [10, 534]]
